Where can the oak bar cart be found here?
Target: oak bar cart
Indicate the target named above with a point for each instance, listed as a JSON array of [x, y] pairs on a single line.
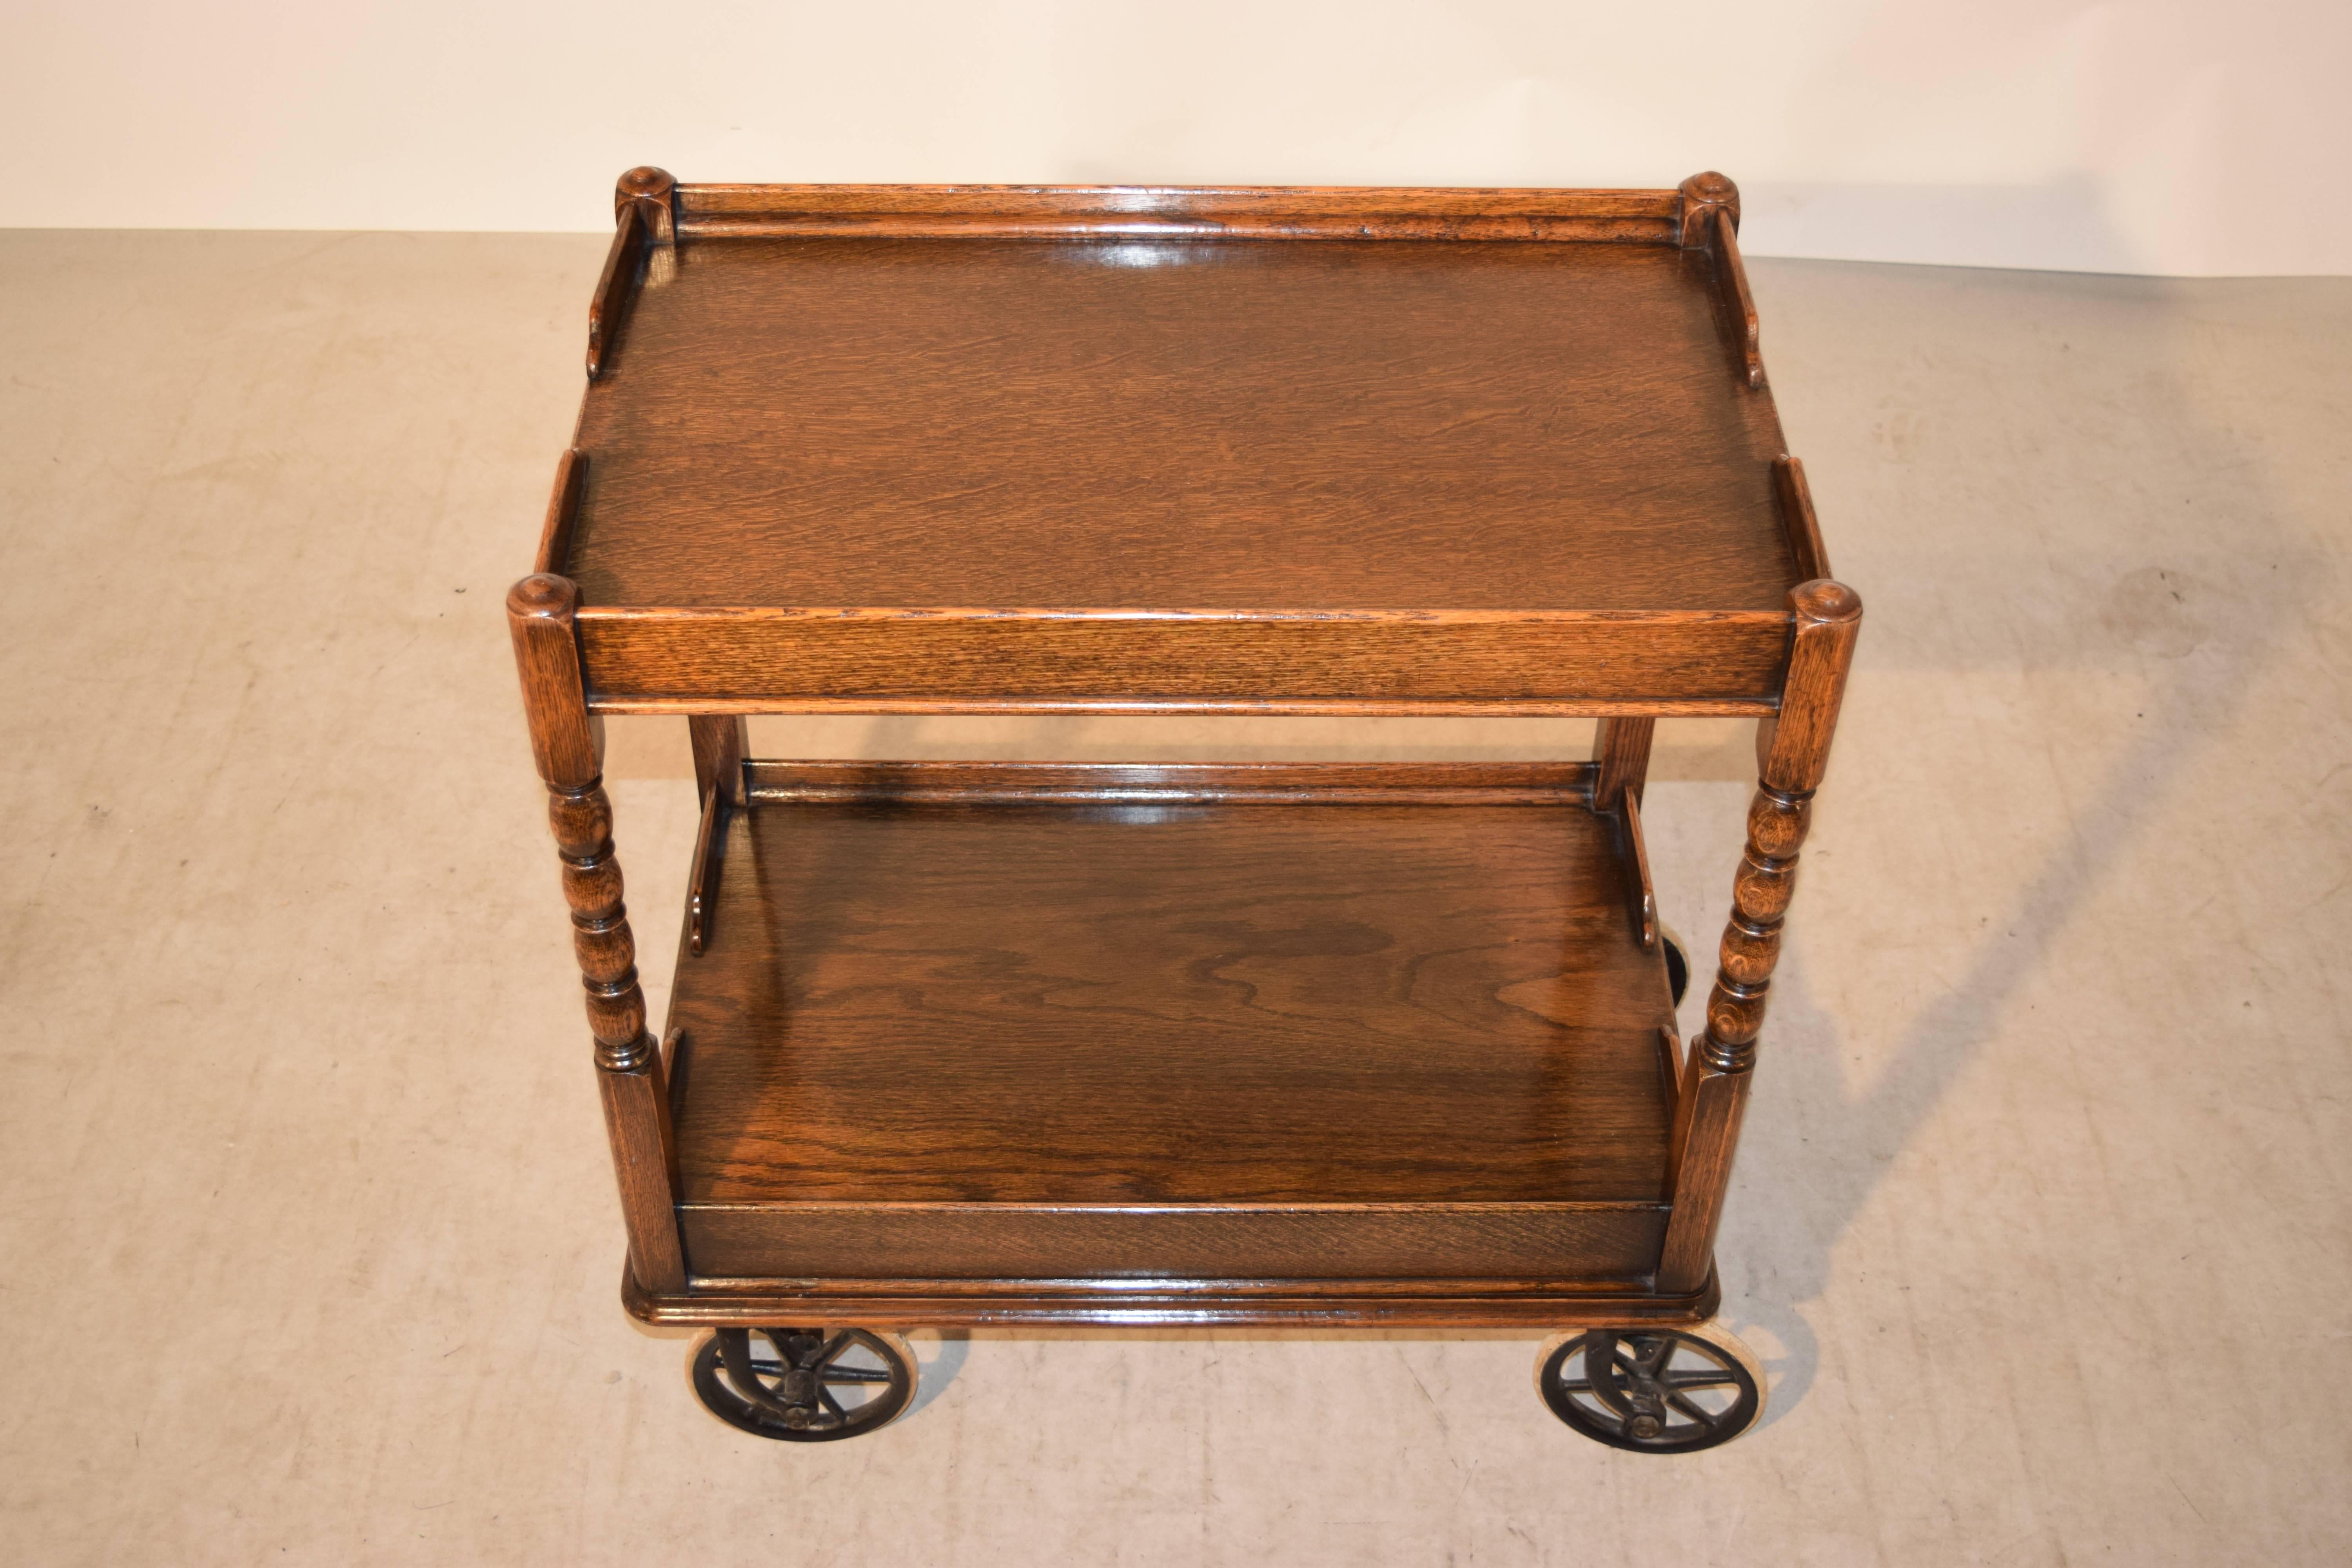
[[1297, 1043]]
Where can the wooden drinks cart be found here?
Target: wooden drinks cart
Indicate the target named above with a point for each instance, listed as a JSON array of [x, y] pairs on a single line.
[[1296, 1043]]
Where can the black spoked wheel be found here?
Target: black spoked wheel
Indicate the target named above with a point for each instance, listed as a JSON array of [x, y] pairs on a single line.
[[1655, 1390], [1677, 960], [804, 1386]]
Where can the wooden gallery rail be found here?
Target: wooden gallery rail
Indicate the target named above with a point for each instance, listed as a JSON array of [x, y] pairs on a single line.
[[1266, 1043]]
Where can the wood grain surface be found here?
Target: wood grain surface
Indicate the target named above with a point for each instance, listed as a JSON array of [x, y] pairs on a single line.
[[1724, 661], [1154, 1001], [1185, 423], [1112, 1243]]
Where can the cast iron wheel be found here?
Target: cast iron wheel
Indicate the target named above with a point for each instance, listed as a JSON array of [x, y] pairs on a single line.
[[1677, 960], [804, 1385], [1653, 1391]]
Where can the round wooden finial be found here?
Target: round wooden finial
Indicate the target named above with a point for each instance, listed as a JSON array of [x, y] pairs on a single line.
[[542, 594], [642, 181], [1711, 187], [1825, 599]]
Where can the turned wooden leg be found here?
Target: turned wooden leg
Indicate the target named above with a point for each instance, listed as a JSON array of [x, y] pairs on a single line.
[[565, 743], [1793, 752]]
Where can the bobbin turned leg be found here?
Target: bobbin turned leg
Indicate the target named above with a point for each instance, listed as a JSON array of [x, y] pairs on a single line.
[[566, 743], [1792, 751]]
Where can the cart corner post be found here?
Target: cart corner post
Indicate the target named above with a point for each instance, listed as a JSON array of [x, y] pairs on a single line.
[[1793, 752], [566, 743]]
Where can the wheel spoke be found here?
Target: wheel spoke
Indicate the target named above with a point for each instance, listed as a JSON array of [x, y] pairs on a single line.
[[833, 1347], [1710, 1379], [832, 1404], [1690, 1408]]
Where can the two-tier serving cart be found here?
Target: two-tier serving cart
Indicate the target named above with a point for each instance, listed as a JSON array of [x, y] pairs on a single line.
[[1289, 1044]]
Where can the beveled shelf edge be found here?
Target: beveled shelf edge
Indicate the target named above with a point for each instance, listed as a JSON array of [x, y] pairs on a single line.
[[1174, 211], [1339, 1304]]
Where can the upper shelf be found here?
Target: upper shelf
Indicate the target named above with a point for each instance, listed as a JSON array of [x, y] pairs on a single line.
[[858, 408]]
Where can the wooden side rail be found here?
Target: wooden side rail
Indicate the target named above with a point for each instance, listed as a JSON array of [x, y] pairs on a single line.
[[667, 211], [1792, 751], [1795, 499], [1739, 304], [645, 232], [563, 512], [567, 744]]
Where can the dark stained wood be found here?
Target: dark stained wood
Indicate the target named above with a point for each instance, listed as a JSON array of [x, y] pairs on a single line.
[[1207, 426], [720, 743], [1793, 752], [1178, 212], [1578, 707], [655, 195], [1707, 1132], [1373, 1303], [568, 746], [1792, 748], [1804, 531], [1095, 1001], [637, 1124], [565, 741], [1621, 758], [1739, 304], [1113, 1244], [1641, 896], [562, 507], [1700, 199], [1271, 1044], [785, 660], [1169, 783], [617, 288], [701, 893]]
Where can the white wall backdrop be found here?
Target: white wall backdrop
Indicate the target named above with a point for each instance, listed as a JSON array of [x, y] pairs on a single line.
[[2167, 136]]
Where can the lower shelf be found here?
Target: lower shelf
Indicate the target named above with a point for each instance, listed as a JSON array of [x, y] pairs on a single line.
[[1134, 1027]]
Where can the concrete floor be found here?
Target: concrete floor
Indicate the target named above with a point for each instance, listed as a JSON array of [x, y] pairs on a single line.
[[310, 1246]]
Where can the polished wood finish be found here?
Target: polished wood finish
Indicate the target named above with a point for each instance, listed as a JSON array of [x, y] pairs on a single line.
[[1176, 212], [1343, 428], [789, 660], [1699, 201], [1793, 752], [1183, 984], [721, 743], [1621, 758], [562, 510], [1804, 530], [997, 1014], [1640, 895], [654, 194], [568, 747], [1277, 1044], [1052, 467], [617, 289], [1326, 1304], [701, 896], [1111, 1247], [1739, 304]]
